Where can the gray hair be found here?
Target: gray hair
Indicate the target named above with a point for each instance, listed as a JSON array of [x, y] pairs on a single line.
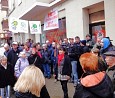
[[6, 45], [3, 57]]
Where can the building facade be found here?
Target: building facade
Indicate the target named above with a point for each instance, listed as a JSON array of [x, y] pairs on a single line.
[[78, 18], [3, 22]]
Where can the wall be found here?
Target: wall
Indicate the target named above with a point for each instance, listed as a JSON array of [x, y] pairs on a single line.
[[22, 8], [110, 19]]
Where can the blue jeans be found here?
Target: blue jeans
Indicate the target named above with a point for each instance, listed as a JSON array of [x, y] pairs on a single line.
[[47, 72], [74, 71], [2, 91]]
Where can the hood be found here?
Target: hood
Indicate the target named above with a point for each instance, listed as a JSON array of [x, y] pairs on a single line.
[[99, 84], [93, 79], [106, 42]]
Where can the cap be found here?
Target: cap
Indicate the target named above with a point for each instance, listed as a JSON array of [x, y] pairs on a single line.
[[110, 53], [15, 43]]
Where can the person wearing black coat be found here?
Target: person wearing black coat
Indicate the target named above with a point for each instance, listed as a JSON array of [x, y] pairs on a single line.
[[7, 78], [35, 59], [64, 71], [13, 54]]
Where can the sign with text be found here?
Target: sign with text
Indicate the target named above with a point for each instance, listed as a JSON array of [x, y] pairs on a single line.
[[51, 21], [35, 27]]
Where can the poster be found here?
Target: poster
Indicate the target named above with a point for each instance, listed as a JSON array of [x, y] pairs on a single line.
[[14, 25], [23, 26], [51, 21], [35, 27]]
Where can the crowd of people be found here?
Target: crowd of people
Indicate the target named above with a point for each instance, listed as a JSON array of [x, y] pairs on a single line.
[[89, 65]]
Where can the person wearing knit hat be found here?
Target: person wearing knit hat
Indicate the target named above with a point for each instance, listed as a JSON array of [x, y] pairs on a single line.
[[83, 42], [84, 48]]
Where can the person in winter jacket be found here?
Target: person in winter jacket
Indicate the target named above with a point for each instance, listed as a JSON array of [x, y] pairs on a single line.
[[31, 84], [46, 61], [7, 78], [93, 83], [21, 64], [64, 70], [13, 54], [35, 59], [106, 46], [110, 59]]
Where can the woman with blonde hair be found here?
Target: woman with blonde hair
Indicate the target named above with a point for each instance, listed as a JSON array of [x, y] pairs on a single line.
[[93, 83], [31, 84]]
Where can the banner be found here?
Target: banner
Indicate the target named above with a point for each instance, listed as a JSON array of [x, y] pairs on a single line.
[[51, 21], [35, 27], [13, 25], [23, 26]]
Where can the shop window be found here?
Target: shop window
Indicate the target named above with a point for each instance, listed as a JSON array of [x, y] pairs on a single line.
[[97, 24], [97, 30]]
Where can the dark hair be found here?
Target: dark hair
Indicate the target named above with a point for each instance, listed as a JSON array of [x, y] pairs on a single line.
[[77, 37], [63, 49]]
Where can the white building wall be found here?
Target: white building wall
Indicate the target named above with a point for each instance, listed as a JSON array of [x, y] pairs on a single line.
[[2, 15], [22, 8], [110, 19]]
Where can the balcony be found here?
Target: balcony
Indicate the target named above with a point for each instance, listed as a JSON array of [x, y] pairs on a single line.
[[4, 5]]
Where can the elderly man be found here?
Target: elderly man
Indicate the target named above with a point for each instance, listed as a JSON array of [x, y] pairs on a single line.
[[110, 60], [13, 54]]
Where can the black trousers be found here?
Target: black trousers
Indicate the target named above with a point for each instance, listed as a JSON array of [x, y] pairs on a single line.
[[64, 88]]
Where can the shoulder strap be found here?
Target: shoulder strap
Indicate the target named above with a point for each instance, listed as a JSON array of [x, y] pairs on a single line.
[[35, 61], [19, 64]]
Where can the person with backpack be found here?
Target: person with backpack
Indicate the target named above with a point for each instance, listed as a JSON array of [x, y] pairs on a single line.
[[93, 83], [21, 64]]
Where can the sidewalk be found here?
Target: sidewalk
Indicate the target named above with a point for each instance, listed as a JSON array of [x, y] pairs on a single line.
[[55, 89]]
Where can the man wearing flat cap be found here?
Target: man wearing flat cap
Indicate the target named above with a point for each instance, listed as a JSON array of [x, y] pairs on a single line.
[[110, 60]]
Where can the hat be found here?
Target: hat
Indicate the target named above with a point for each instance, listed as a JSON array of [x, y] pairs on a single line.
[[15, 43], [110, 53], [83, 42]]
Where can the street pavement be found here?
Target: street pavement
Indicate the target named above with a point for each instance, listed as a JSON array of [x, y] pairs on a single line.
[[55, 90]]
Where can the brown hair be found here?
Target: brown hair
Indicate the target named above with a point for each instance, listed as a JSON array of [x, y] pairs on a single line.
[[89, 62]]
